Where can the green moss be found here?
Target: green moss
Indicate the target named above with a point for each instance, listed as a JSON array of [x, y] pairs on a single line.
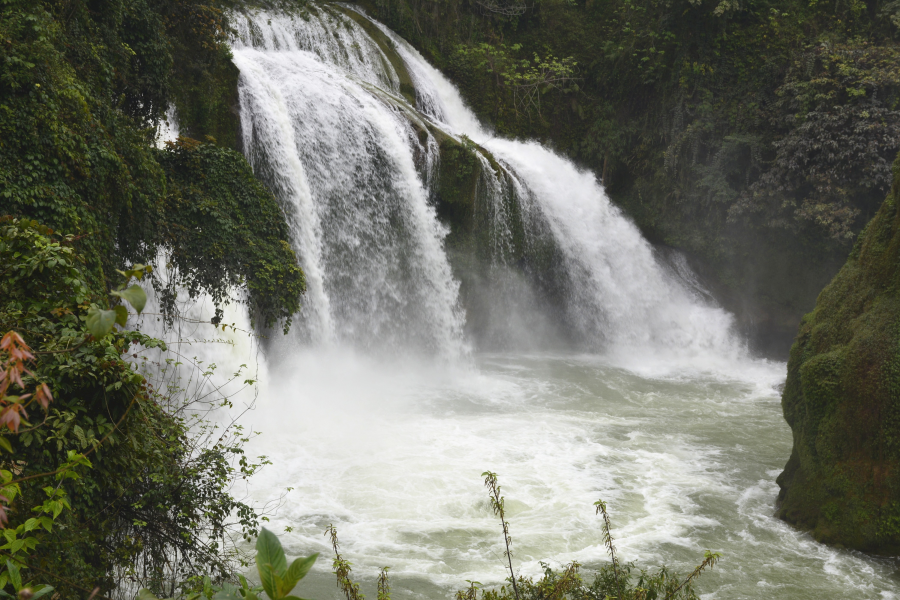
[[386, 45], [842, 399]]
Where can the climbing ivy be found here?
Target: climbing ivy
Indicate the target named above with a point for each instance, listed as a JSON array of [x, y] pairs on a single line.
[[225, 230]]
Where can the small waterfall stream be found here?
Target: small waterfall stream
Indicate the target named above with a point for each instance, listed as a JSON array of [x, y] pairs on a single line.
[[532, 332]]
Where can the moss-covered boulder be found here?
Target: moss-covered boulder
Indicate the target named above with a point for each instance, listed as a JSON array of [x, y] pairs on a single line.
[[842, 399]]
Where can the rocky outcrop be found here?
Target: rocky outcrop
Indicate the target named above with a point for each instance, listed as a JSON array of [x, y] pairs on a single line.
[[842, 399]]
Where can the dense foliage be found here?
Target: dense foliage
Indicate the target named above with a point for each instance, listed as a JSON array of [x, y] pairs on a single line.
[[153, 494], [83, 87], [223, 229], [842, 398], [754, 134]]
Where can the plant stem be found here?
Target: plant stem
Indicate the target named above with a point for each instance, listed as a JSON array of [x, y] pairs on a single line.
[[490, 482]]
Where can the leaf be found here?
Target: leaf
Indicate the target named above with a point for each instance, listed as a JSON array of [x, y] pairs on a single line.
[[298, 570], [42, 592], [267, 578], [227, 595], [100, 322], [121, 315], [279, 586], [14, 577], [134, 295], [31, 523], [4, 443], [269, 551], [145, 595], [47, 522]]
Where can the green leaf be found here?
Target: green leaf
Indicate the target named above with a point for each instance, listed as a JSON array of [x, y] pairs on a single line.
[[4, 443], [267, 578], [227, 595], [31, 523], [279, 586], [14, 577], [42, 592], [5, 595], [145, 595], [121, 315], [298, 570], [100, 322], [269, 551], [47, 522], [134, 295]]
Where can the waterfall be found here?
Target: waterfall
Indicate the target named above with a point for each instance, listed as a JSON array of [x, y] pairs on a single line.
[[353, 154], [321, 133], [422, 234]]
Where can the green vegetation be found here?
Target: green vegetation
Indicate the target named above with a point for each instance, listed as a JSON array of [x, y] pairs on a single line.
[[83, 89], [223, 229], [755, 135], [842, 398], [154, 490], [278, 578], [110, 477], [613, 581]]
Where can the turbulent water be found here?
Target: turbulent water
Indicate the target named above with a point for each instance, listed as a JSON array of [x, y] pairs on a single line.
[[382, 408]]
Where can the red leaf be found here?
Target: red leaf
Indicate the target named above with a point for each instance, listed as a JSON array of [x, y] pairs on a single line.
[[10, 418], [43, 396]]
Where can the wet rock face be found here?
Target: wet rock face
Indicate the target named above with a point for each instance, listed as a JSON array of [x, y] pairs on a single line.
[[842, 399]]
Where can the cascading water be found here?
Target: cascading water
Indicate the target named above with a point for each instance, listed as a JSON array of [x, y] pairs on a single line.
[[619, 291], [381, 420], [340, 159], [326, 126]]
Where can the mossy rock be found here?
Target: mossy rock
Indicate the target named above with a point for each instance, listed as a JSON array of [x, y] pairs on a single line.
[[842, 399], [386, 45]]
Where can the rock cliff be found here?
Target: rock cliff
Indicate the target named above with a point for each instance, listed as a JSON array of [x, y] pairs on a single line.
[[842, 399]]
